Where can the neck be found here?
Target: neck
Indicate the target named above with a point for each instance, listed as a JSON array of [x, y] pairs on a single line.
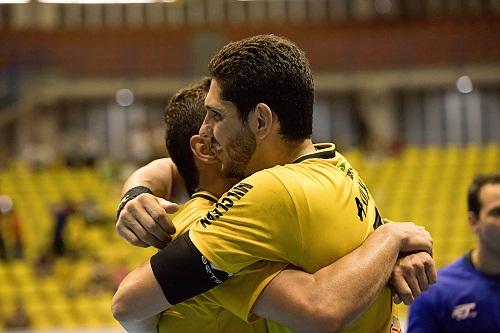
[[279, 152], [486, 261], [212, 181]]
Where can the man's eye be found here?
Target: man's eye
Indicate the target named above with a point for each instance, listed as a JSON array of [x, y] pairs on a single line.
[[216, 115], [495, 212]]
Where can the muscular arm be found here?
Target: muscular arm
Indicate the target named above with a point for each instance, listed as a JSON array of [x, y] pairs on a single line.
[[325, 300], [335, 295], [161, 177]]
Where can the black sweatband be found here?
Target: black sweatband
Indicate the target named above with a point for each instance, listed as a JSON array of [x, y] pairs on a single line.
[[183, 272], [131, 194]]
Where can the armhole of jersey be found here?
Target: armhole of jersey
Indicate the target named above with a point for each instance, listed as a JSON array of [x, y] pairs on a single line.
[[378, 220], [183, 272]]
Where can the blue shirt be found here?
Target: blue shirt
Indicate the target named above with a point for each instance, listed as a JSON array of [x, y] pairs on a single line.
[[463, 300]]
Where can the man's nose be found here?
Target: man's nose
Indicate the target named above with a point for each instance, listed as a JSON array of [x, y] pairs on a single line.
[[205, 130]]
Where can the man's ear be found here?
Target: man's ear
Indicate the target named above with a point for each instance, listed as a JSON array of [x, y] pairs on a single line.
[[201, 149], [473, 220], [261, 120]]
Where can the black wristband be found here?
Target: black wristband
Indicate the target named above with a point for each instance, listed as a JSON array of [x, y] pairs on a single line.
[[131, 194]]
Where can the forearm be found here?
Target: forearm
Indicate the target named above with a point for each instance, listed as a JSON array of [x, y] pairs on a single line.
[[138, 298], [148, 325], [355, 280], [336, 294], [160, 176]]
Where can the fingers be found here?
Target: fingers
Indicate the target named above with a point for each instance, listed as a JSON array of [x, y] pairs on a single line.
[[412, 281], [146, 217], [154, 219], [144, 221], [423, 283], [417, 270], [411, 276], [430, 271], [422, 266], [128, 235], [161, 215], [402, 288], [169, 207], [136, 229], [395, 296]]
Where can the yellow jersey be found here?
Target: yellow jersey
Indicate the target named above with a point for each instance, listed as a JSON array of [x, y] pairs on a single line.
[[308, 213], [203, 313]]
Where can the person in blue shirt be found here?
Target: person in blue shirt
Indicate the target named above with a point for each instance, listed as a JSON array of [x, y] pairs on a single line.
[[466, 297]]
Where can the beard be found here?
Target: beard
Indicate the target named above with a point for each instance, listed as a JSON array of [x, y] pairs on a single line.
[[239, 151]]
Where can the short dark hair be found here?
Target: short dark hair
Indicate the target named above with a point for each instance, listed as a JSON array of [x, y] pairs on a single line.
[[183, 117], [475, 187], [272, 70]]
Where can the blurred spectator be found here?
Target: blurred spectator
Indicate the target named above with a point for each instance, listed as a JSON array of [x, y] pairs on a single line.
[[61, 212], [159, 150], [5, 157], [80, 149], [118, 273], [466, 297], [141, 143], [11, 240], [90, 150], [91, 212], [3, 250], [44, 265], [109, 169], [38, 155], [99, 277], [19, 318], [16, 232]]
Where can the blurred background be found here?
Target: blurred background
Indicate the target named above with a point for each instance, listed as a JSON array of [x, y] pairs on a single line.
[[409, 90]]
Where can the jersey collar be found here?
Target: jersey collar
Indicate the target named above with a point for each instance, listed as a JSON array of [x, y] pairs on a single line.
[[205, 195], [323, 150]]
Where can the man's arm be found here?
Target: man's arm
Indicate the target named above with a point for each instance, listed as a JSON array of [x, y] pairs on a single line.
[[334, 295], [143, 221], [161, 177], [138, 300]]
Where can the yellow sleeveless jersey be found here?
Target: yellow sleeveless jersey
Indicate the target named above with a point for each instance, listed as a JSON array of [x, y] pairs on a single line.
[[308, 213], [203, 314]]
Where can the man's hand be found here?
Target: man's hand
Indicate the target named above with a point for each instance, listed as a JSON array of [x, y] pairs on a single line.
[[144, 221], [412, 275], [414, 270], [411, 237]]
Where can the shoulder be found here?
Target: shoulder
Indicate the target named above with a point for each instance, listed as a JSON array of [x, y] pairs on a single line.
[[265, 184], [259, 197], [272, 175]]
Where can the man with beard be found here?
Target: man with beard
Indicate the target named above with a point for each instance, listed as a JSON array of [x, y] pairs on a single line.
[[194, 172], [308, 208]]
